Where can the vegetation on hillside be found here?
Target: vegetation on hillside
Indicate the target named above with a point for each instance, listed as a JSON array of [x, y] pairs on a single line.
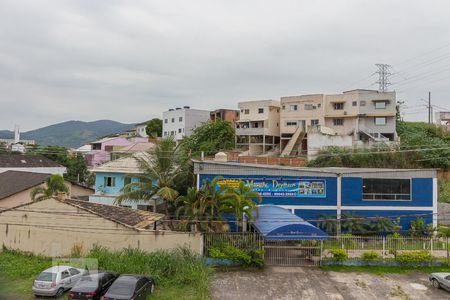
[[421, 146], [210, 138]]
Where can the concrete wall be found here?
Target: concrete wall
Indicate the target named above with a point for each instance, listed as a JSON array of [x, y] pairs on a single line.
[[52, 228], [318, 141]]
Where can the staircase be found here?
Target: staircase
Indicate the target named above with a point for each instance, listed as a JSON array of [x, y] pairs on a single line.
[[376, 136], [294, 142]]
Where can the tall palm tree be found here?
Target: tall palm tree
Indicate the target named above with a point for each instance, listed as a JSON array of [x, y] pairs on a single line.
[[163, 168], [381, 225], [328, 223], [352, 223], [54, 185], [239, 201]]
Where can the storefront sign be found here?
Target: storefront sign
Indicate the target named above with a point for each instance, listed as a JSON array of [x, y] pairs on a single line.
[[267, 187]]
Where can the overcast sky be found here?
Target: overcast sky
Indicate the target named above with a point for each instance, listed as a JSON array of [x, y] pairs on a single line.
[[130, 60]]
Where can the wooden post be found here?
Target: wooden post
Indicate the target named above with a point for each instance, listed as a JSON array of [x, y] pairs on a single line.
[[384, 247]]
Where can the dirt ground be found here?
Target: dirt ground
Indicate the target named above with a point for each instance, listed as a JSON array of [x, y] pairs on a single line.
[[312, 283]]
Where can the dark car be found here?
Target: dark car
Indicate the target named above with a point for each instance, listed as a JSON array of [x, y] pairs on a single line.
[[92, 286], [130, 287]]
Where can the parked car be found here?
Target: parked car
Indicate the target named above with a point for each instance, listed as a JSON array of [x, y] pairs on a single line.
[[92, 286], [440, 280], [130, 287], [56, 280]]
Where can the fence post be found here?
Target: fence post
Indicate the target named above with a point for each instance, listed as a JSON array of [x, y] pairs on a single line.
[[321, 252], [384, 247], [447, 252], [431, 246]]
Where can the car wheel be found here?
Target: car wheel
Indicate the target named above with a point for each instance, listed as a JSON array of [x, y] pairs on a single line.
[[436, 283], [59, 293]]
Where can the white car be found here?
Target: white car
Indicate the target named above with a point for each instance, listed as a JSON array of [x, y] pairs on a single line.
[[441, 280], [56, 280]]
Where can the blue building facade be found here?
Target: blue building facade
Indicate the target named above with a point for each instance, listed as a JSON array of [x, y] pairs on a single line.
[[312, 193]]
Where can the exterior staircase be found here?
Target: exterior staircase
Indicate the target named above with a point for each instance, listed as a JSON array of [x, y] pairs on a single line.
[[294, 142]]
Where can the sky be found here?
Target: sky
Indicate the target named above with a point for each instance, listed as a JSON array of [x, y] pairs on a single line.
[[130, 60]]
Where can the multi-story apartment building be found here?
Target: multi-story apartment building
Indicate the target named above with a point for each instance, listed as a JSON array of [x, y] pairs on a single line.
[[229, 115], [258, 127], [180, 122]]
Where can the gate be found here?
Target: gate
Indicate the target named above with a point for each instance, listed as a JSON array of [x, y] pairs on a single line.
[[292, 253]]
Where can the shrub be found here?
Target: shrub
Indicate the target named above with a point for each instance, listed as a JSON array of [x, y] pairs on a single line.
[[370, 255], [339, 254], [414, 257], [246, 258]]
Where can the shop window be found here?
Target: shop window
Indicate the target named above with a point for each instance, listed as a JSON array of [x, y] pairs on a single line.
[[386, 189]]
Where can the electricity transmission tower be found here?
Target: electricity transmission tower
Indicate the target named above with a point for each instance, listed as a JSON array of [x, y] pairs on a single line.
[[383, 77]]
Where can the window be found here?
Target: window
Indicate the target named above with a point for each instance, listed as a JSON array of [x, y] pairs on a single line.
[[166, 121], [126, 180], [319, 105], [173, 120], [180, 119], [179, 130], [380, 105], [96, 146], [386, 189], [172, 132], [110, 181], [283, 107], [380, 121], [314, 122], [246, 111], [309, 107], [165, 133], [260, 110], [293, 107], [338, 122], [362, 103], [338, 106], [65, 274], [354, 103], [73, 271], [291, 123]]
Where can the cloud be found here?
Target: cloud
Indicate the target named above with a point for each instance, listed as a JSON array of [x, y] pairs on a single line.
[[130, 60]]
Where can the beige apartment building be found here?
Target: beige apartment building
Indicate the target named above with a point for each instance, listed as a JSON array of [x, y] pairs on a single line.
[[352, 119], [258, 127]]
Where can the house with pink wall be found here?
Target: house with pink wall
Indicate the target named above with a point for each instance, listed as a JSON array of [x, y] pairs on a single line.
[[100, 150]]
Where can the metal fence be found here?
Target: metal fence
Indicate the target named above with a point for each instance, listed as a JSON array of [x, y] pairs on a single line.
[[313, 252]]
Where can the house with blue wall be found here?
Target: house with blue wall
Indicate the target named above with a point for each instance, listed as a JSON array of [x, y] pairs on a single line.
[[310, 193], [111, 177]]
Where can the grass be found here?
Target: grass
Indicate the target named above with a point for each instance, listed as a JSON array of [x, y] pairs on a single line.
[[179, 273], [382, 270]]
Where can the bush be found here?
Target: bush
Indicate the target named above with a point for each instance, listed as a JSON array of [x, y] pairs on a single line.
[[169, 268], [414, 257], [246, 258], [370, 255], [339, 254]]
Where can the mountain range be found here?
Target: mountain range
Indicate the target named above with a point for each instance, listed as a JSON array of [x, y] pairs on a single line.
[[70, 134]]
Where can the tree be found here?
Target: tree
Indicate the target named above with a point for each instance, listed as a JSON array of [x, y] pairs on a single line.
[[328, 223], [154, 128], [381, 225], [240, 201], [210, 138], [165, 171], [54, 185], [352, 223]]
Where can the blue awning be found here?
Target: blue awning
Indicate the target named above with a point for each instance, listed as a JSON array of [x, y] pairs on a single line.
[[277, 223]]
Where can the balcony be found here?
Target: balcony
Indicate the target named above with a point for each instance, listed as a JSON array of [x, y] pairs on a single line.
[[250, 131]]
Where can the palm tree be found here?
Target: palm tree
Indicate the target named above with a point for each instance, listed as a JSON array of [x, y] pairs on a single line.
[[381, 225], [163, 168], [54, 185], [240, 201], [352, 223], [327, 223]]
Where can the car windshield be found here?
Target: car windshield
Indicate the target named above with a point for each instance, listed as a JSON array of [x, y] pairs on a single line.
[[46, 276], [122, 288]]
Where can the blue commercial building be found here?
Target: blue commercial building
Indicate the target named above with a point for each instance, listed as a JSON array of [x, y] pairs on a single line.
[[311, 193]]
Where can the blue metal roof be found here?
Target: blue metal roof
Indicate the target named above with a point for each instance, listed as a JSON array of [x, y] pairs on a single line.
[[277, 223]]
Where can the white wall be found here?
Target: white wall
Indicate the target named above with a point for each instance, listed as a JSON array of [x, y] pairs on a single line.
[[318, 141], [191, 118]]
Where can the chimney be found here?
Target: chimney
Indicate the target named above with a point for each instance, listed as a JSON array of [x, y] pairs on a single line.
[[16, 134]]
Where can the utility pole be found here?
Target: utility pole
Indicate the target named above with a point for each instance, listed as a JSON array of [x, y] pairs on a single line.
[[429, 109], [383, 77]]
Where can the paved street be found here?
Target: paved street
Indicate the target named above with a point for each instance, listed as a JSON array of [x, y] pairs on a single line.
[[312, 283]]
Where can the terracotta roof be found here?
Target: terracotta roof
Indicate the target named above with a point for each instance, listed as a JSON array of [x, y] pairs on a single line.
[[133, 218], [26, 161], [13, 182]]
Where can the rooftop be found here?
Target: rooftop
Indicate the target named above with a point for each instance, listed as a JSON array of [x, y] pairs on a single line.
[[137, 147], [128, 164], [26, 161], [132, 218], [13, 182]]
